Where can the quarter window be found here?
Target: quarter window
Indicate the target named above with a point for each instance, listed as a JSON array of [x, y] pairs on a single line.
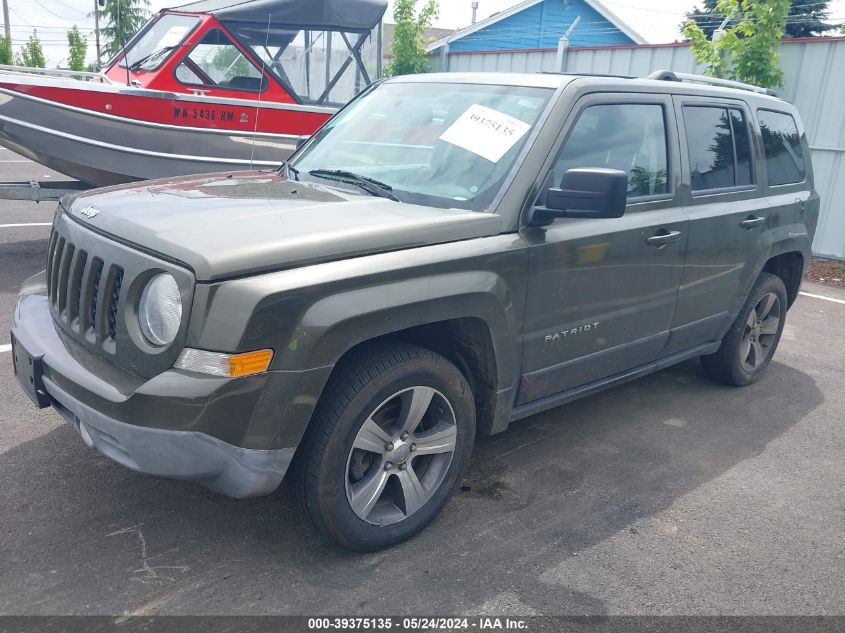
[[782, 143], [217, 63], [719, 148], [628, 137]]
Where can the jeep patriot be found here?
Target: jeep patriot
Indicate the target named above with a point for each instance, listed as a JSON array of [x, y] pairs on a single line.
[[448, 254]]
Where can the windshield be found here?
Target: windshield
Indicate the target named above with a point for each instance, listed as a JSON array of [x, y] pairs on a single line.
[[439, 144], [160, 39]]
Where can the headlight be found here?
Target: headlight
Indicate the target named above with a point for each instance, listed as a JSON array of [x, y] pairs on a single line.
[[160, 310]]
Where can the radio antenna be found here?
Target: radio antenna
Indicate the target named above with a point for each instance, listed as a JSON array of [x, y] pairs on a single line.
[[123, 45], [260, 91]]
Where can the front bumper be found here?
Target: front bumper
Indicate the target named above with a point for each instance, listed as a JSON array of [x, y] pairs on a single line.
[[230, 470], [174, 425]]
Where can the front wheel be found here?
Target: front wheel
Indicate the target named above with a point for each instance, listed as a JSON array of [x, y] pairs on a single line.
[[748, 347], [390, 439]]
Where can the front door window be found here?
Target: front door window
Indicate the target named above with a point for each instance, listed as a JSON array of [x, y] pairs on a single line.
[[630, 137]]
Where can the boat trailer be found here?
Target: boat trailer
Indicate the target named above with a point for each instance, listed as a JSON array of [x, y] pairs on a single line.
[[40, 191]]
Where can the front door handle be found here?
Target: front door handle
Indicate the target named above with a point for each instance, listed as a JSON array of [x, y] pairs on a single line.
[[752, 222], [663, 237]]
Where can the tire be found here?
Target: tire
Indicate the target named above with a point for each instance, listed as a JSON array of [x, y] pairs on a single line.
[[751, 342], [344, 461]]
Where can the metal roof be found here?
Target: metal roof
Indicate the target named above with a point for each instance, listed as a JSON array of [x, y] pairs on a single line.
[[348, 15]]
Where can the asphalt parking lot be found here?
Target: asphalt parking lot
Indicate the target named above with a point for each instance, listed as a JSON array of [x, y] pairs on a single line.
[[671, 495]]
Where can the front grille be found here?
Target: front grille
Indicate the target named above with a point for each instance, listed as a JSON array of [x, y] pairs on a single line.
[[114, 299], [84, 291], [93, 286]]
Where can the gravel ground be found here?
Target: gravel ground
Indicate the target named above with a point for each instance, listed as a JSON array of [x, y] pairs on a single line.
[[826, 271]]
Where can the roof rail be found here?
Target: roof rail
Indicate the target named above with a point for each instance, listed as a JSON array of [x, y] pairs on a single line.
[[669, 75], [574, 74]]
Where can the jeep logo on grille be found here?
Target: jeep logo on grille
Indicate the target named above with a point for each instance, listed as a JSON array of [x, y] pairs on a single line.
[[90, 212]]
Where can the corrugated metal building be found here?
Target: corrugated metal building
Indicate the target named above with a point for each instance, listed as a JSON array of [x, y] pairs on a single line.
[[815, 83]]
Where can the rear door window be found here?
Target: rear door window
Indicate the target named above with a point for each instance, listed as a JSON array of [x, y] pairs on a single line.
[[217, 63], [630, 137], [782, 144], [719, 147]]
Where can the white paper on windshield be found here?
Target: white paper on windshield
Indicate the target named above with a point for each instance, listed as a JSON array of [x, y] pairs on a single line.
[[173, 37], [485, 132]]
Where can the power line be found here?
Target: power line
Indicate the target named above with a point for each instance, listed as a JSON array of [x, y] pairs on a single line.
[[71, 8], [50, 28], [667, 12], [601, 28], [51, 12]]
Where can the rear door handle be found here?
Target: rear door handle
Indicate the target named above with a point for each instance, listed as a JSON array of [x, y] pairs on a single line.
[[752, 222], [663, 237]]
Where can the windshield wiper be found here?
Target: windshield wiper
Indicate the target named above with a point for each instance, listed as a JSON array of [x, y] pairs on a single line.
[[146, 58], [370, 185]]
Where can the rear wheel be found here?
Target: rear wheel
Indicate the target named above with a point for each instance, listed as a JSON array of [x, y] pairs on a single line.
[[748, 347], [391, 436]]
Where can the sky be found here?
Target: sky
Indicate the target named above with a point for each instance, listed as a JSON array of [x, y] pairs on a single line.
[[656, 20]]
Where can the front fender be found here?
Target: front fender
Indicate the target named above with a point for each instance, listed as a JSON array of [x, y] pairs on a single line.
[[336, 324], [313, 315]]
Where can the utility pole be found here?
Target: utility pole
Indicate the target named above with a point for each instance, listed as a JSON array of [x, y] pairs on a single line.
[[563, 45], [96, 31], [6, 20]]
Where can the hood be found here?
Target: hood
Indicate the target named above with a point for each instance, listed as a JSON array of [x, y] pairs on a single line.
[[228, 225]]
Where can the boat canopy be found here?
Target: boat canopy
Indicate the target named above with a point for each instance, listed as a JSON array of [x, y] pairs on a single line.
[[342, 15]]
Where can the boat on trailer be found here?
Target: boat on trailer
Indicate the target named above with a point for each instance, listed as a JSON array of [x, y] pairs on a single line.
[[214, 85]]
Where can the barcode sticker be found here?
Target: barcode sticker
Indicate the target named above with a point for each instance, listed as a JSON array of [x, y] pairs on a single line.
[[485, 132]]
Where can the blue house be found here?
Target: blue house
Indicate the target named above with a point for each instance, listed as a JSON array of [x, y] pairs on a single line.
[[539, 24]]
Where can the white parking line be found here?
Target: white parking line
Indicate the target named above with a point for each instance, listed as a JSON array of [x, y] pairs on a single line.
[[5, 348], [9, 226], [822, 297], [15, 161]]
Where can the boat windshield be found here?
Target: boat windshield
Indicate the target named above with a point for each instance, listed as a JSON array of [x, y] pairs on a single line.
[[439, 144], [158, 40], [317, 67]]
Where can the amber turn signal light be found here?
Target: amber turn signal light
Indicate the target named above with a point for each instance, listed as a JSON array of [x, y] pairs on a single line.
[[224, 365], [250, 363]]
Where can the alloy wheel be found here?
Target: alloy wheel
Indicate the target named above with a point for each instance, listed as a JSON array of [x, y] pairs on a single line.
[[761, 331], [401, 455]]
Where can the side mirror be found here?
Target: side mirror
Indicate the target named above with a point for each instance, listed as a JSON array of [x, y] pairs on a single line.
[[302, 140], [585, 193]]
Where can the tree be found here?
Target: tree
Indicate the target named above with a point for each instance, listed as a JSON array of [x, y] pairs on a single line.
[[78, 48], [230, 62], [6, 51], [121, 20], [747, 49], [807, 18], [32, 55], [409, 53]]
